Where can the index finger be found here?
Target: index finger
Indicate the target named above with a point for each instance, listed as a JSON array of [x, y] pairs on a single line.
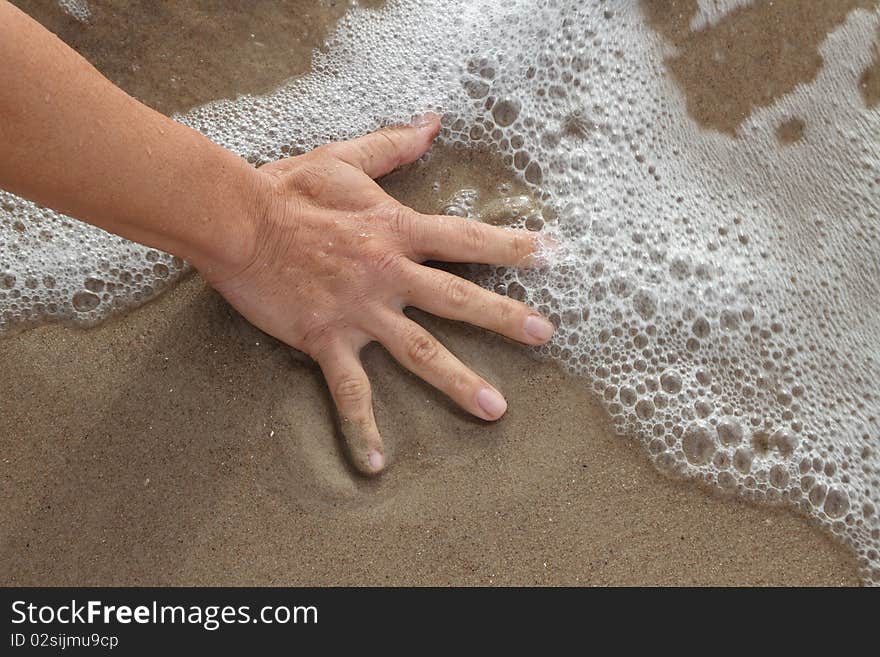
[[455, 239]]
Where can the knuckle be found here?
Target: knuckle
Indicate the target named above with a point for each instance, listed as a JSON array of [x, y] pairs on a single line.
[[352, 391], [458, 292], [390, 138], [318, 339], [460, 385], [310, 180], [387, 262], [507, 310], [400, 222], [521, 245], [366, 151], [402, 226], [474, 236], [381, 145], [421, 349]]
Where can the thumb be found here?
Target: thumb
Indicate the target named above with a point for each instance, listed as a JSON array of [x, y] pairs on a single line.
[[381, 152]]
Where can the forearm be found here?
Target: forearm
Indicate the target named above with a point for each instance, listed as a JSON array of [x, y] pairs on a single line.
[[73, 141]]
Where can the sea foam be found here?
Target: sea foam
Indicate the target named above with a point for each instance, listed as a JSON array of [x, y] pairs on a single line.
[[718, 293]]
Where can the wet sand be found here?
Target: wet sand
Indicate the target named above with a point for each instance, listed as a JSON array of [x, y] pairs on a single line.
[[755, 55], [179, 445], [173, 56]]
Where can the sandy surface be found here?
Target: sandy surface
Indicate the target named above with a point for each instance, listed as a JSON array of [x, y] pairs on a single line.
[[175, 55], [753, 56], [179, 445]]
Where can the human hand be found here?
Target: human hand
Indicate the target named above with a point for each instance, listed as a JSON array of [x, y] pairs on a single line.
[[335, 260]]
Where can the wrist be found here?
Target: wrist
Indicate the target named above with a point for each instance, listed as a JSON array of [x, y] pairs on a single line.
[[228, 243]]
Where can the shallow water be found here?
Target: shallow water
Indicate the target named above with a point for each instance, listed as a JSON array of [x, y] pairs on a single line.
[[717, 207]]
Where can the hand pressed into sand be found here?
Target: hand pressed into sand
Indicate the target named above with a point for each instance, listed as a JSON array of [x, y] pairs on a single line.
[[336, 260]]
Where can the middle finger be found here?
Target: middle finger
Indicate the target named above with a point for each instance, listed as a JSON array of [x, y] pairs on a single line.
[[446, 295]]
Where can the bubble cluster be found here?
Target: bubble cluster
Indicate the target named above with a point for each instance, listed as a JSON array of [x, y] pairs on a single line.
[[719, 294], [78, 9], [53, 268]]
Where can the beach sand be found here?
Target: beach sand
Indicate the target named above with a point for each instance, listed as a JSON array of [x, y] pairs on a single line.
[[179, 445]]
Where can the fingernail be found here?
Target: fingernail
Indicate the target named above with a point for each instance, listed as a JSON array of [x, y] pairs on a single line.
[[538, 328], [377, 461], [492, 403], [423, 120]]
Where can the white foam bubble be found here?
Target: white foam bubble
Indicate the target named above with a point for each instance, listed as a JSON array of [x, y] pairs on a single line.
[[719, 294], [78, 9], [709, 12]]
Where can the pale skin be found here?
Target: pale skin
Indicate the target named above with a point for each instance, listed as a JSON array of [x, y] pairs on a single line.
[[309, 249]]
